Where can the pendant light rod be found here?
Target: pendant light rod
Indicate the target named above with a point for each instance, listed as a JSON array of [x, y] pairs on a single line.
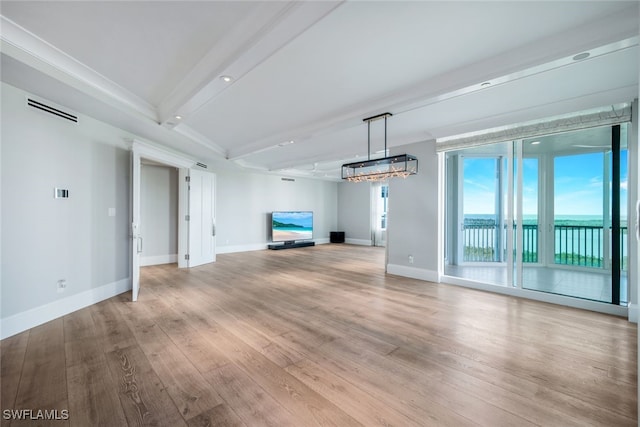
[[368, 140], [385, 136], [373, 119]]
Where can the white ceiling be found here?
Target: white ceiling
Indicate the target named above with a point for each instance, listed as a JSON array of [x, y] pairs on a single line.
[[310, 71]]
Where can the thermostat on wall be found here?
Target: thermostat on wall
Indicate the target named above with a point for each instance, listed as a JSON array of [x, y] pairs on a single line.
[[60, 193]]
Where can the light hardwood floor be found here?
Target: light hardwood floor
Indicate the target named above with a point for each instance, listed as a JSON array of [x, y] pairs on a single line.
[[321, 336]]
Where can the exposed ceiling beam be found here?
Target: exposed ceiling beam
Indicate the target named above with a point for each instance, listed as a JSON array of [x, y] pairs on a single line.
[[195, 136], [253, 41]]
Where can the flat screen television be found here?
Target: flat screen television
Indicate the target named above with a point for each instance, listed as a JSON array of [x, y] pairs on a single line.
[[288, 226]]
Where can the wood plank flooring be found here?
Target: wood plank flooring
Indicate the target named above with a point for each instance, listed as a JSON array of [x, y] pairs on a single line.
[[321, 336]]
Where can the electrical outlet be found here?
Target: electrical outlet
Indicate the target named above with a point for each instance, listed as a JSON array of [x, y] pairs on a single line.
[[410, 259], [61, 285]]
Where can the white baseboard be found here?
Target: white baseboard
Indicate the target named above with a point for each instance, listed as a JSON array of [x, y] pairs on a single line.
[[158, 259], [633, 313], [37, 316], [361, 242], [322, 241], [413, 272]]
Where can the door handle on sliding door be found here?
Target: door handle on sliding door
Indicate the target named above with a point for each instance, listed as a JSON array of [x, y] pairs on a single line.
[[140, 244]]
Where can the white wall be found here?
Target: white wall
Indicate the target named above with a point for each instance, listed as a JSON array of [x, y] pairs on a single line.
[[46, 239], [412, 226], [354, 212], [245, 201], [159, 214]]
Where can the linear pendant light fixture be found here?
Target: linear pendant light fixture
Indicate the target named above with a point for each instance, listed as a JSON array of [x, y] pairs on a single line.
[[382, 169]]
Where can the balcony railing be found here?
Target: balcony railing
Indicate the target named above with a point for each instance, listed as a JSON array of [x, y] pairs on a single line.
[[481, 240], [579, 245]]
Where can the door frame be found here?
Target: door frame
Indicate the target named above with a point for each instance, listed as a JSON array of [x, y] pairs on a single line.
[[140, 150]]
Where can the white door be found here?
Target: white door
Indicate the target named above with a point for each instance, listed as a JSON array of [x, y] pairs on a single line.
[[202, 220], [136, 238]]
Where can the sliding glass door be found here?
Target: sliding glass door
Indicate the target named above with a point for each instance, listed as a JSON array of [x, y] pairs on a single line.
[[545, 214], [575, 227], [477, 190]]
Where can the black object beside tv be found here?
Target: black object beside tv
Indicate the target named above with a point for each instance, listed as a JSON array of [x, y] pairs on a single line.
[[336, 237]]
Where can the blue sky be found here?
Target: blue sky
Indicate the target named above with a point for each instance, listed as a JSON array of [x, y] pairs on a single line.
[[304, 219], [578, 185]]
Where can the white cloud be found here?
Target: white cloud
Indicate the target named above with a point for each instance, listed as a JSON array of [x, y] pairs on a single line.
[[478, 184]]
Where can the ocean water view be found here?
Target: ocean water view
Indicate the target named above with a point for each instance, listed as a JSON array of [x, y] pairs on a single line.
[[587, 220], [579, 239], [295, 229]]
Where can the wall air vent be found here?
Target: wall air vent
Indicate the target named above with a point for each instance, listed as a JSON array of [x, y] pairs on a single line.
[[202, 165], [288, 179], [51, 110]]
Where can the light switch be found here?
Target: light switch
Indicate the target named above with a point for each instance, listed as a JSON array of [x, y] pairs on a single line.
[[112, 211], [60, 193]]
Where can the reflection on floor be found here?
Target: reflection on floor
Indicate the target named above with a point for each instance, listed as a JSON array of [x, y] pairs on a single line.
[[584, 283]]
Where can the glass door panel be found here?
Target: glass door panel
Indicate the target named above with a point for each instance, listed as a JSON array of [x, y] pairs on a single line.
[[528, 235], [581, 224], [574, 214], [476, 242], [481, 213]]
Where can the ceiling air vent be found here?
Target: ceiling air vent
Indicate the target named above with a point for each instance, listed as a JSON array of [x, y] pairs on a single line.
[[202, 165], [51, 110], [288, 179]]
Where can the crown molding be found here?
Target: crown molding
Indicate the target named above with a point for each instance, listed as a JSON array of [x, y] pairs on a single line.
[[28, 48]]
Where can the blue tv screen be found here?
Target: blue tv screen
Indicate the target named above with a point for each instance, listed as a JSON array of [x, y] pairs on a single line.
[[291, 225]]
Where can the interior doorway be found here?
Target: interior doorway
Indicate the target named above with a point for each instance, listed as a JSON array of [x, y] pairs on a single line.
[[198, 236], [159, 213]]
